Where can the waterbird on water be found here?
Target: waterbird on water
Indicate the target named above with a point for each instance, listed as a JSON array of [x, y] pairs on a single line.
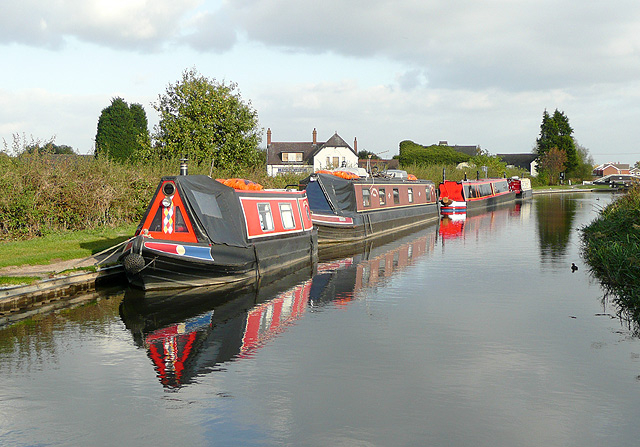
[[574, 267]]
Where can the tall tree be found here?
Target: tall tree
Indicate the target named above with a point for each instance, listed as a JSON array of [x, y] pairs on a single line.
[[552, 163], [207, 121], [555, 131], [122, 130]]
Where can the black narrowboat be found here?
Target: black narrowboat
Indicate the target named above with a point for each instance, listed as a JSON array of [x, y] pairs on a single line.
[[197, 231], [346, 207]]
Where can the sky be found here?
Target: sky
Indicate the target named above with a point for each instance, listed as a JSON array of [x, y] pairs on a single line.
[[469, 72]]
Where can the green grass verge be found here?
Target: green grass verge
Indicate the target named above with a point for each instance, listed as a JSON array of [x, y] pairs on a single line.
[[62, 246], [17, 280]]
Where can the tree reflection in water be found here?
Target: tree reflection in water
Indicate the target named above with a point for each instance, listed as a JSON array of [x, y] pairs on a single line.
[[555, 215]]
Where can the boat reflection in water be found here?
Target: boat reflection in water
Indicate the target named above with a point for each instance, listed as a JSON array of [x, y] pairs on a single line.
[[192, 332], [461, 226]]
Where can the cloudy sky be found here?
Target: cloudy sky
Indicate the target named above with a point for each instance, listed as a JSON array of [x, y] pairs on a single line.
[[471, 72]]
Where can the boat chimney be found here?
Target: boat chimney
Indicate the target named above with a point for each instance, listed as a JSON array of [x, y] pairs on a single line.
[[183, 166], [443, 176], [465, 176], [477, 175]]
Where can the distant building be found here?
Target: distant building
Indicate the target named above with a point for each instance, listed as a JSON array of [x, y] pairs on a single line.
[[611, 168], [471, 151], [523, 161], [307, 157]]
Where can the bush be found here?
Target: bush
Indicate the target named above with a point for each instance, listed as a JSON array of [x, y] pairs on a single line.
[[415, 154]]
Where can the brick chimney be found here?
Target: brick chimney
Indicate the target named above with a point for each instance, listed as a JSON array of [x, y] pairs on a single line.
[[269, 137], [355, 145], [315, 136]]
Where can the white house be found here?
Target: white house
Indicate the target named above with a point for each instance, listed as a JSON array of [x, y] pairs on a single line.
[[311, 156]]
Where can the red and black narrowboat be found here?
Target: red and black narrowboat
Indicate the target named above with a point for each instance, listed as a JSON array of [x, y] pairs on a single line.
[[522, 187], [197, 231], [473, 195], [346, 207]]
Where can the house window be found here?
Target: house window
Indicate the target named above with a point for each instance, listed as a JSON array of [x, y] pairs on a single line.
[[396, 196], [366, 197], [292, 156], [383, 196], [266, 219], [410, 194], [286, 214], [336, 162]]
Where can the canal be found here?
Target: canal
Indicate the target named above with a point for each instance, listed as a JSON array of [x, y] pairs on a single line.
[[474, 334]]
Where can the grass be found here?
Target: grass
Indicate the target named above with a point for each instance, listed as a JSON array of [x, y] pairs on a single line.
[[62, 246], [17, 280], [611, 247]]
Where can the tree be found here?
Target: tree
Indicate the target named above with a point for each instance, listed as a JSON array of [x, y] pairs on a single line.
[[207, 121], [553, 163], [363, 155], [584, 170], [555, 131], [122, 130], [48, 148]]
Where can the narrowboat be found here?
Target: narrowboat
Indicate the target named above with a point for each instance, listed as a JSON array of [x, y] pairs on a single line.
[[346, 207], [522, 187], [473, 195], [198, 231]]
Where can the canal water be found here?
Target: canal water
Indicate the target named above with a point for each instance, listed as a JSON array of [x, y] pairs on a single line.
[[458, 334]]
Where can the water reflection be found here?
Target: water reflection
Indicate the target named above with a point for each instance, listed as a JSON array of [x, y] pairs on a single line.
[[555, 214], [472, 226], [194, 332]]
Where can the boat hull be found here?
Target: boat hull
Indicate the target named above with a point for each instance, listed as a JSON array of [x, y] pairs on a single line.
[[338, 229], [151, 269], [526, 194]]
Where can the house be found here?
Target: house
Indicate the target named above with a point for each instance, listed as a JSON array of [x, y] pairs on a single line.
[[611, 168], [308, 157], [635, 171], [523, 161]]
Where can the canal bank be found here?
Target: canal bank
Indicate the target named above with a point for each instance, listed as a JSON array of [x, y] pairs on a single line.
[[63, 284]]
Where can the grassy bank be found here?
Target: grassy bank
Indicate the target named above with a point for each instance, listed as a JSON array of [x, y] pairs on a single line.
[[62, 246], [611, 247]]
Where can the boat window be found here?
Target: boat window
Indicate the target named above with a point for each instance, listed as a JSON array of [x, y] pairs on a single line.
[[266, 219], [156, 223], [468, 191], [485, 189], [396, 196], [180, 225], [366, 197], [501, 186], [410, 194], [383, 196], [286, 214], [207, 204]]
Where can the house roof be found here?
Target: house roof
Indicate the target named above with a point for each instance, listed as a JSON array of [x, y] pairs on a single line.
[[308, 149], [518, 159], [615, 165], [467, 150]]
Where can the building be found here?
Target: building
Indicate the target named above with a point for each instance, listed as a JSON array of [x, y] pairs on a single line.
[[528, 162], [308, 157], [611, 168]]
